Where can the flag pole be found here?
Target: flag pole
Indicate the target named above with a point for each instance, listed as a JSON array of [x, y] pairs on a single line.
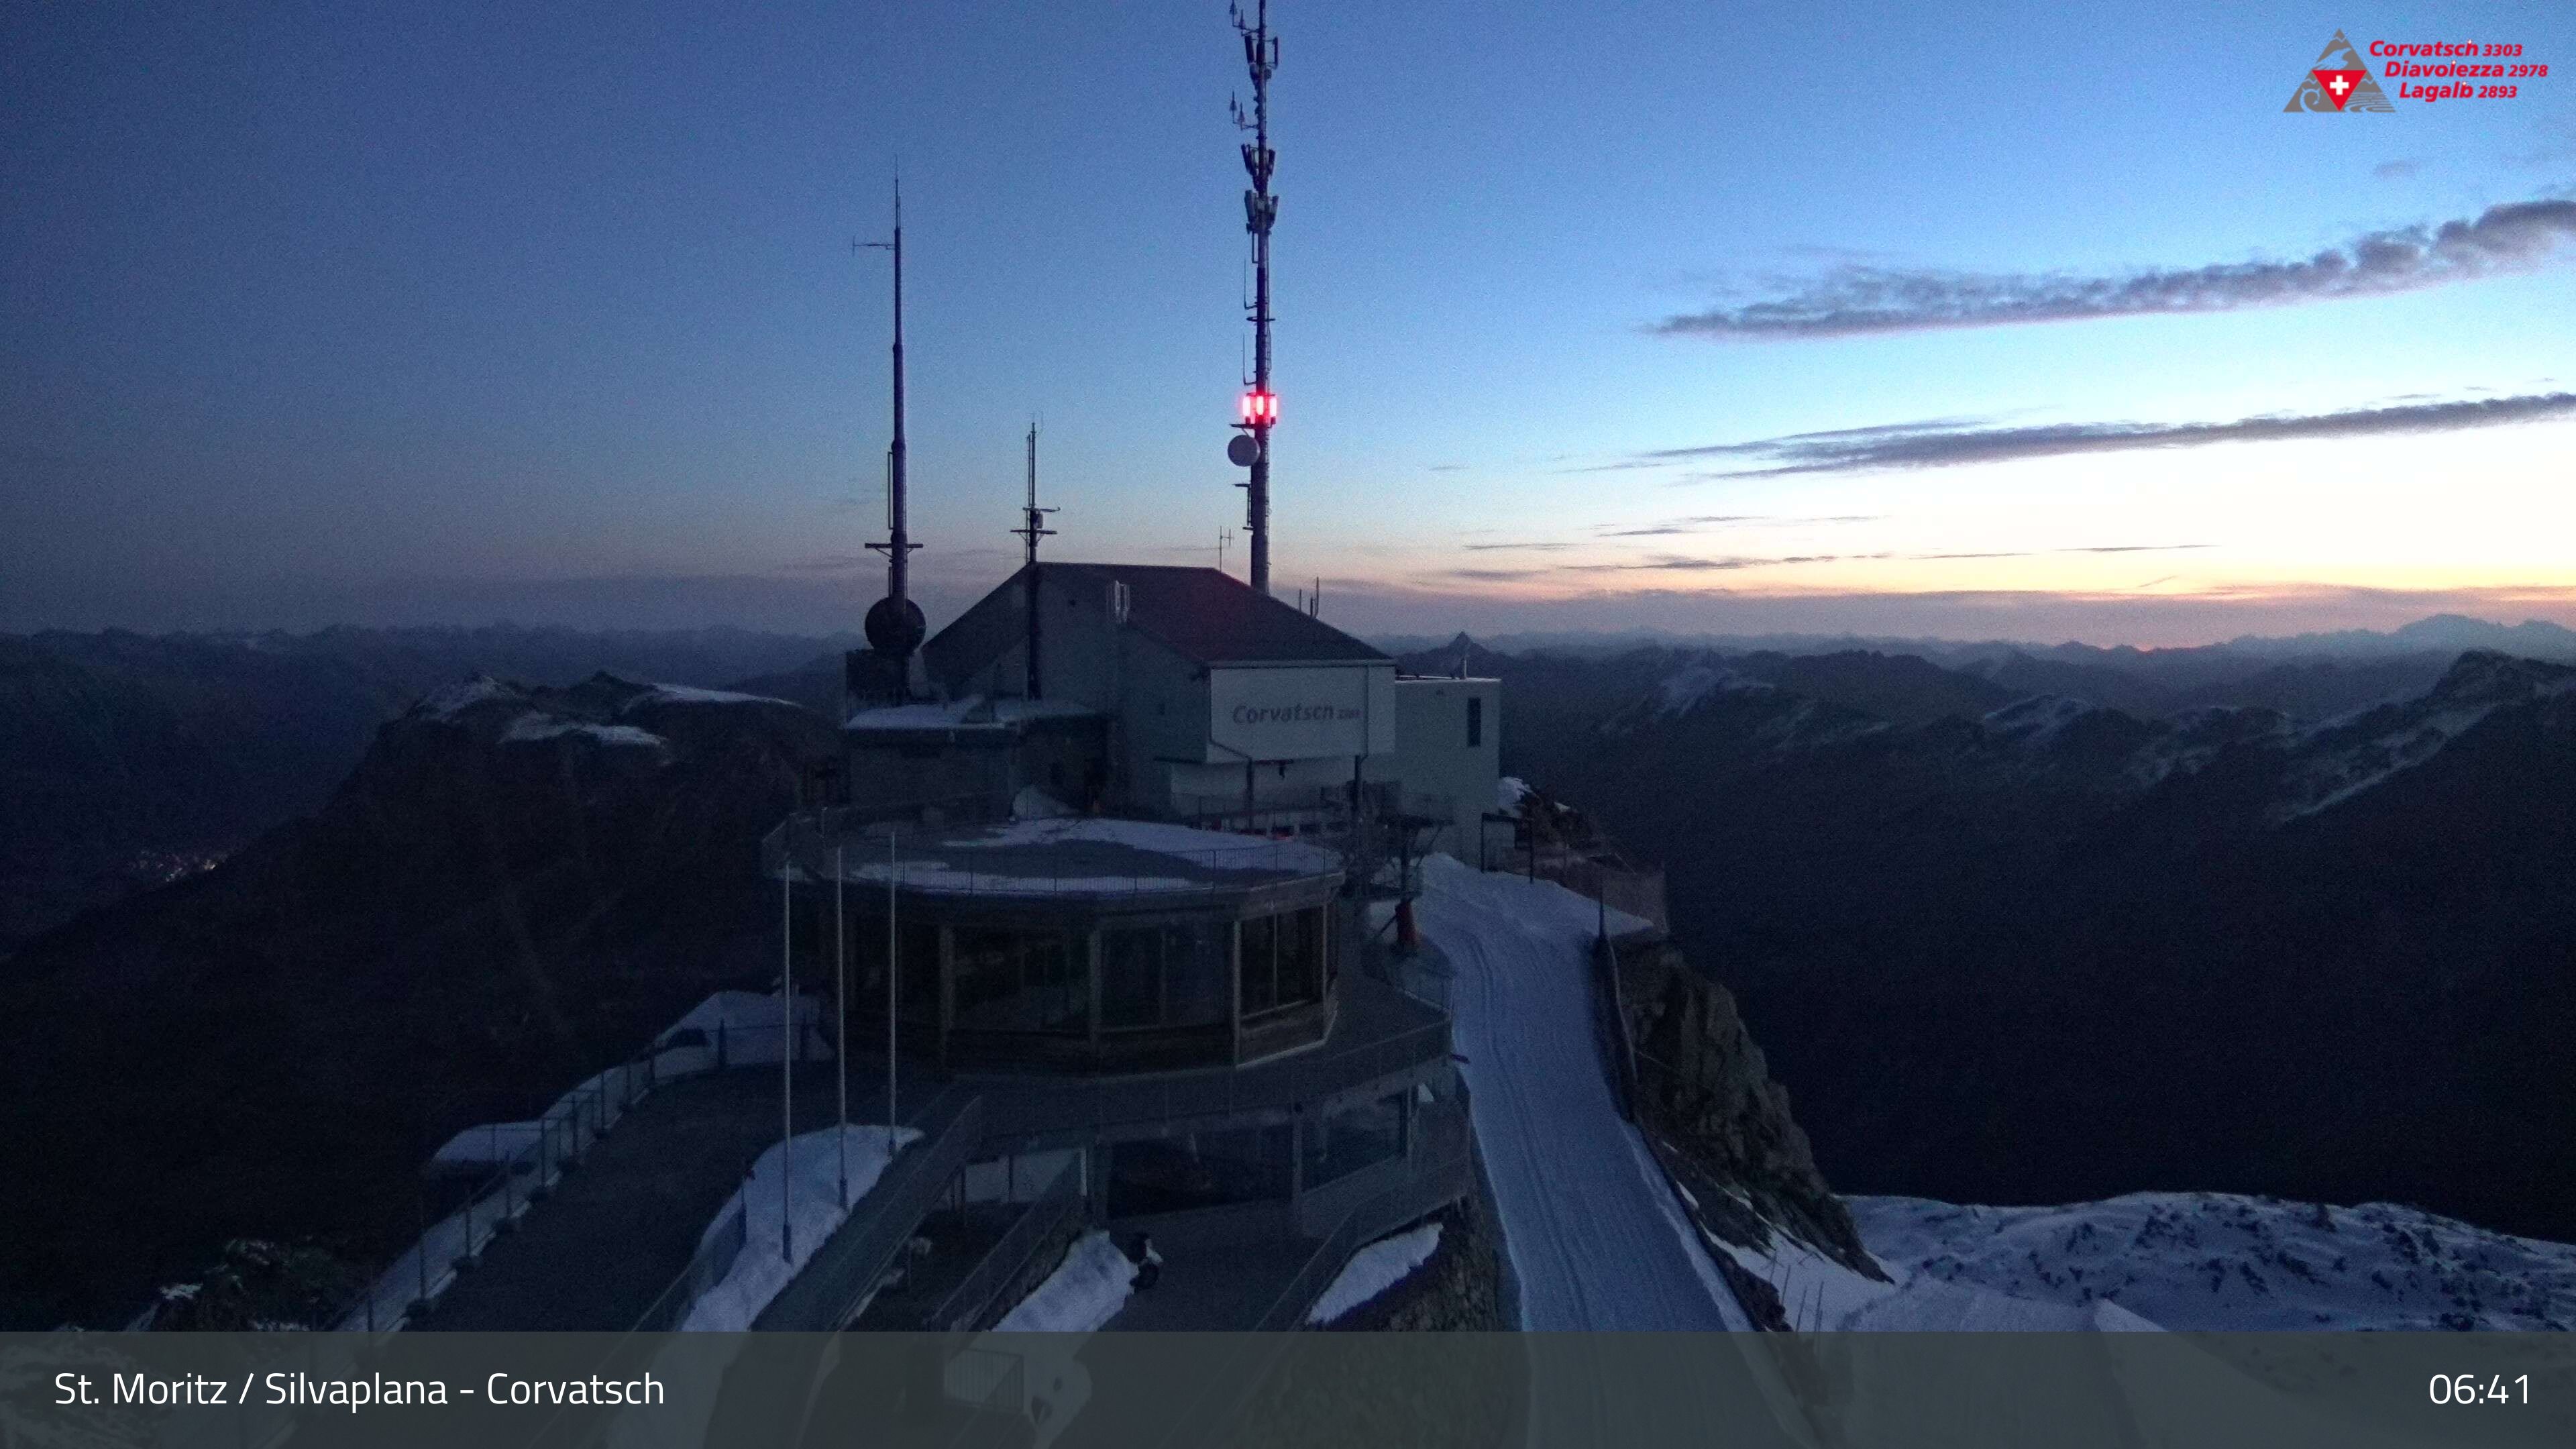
[[841, 1008], [787, 1044], [891, 974]]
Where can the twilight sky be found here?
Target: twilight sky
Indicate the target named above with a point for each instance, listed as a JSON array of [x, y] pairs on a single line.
[[2034, 324]]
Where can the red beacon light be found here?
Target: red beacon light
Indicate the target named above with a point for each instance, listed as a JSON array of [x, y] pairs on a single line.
[[1260, 409]]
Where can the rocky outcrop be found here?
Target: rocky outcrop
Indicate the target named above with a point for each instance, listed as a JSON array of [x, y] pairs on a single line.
[[1704, 1089]]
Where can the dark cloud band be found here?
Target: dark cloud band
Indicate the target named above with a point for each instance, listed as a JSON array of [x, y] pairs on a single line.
[[1946, 443], [1859, 301]]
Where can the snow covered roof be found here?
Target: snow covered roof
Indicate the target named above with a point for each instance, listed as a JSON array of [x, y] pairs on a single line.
[[1080, 856], [974, 712]]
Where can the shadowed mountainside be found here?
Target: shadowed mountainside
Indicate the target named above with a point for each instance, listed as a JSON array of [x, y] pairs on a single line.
[[129, 760], [514, 887], [2052, 951]]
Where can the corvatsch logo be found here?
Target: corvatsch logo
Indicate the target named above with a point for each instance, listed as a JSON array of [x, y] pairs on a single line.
[[2338, 82]]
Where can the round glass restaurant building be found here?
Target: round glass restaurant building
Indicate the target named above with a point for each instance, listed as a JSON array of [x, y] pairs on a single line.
[[1074, 945]]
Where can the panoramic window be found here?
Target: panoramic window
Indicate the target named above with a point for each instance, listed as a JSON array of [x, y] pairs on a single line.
[[1343, 1141], [1020, 981], [1165, 975], [1283, 960]]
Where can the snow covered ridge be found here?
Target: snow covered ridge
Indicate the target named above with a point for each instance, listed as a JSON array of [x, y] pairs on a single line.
[[684, 694], [2217, 1261], [457, 698], [536, 726], [2346, 756]]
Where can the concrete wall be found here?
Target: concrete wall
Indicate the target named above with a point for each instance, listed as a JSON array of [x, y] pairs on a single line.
[[1442, 773]]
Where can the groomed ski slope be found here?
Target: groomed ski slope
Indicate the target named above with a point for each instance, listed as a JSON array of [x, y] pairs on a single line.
[[1595, 1237]]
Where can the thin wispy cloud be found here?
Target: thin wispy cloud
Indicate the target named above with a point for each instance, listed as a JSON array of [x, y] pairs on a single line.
[[1939, 445], [1500, 547], [2403, 169], [1708, 523], [1853, 301], [1688, 563]]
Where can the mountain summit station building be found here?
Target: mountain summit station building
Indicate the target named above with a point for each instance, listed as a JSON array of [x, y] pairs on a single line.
[[1121, 873]]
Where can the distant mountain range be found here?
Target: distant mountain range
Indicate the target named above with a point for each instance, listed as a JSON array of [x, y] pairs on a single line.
[[2016, 946], [2441, 633]]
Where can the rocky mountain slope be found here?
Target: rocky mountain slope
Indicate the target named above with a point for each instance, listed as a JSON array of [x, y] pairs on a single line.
[[128, 760], [513, 887], [2104, 952]]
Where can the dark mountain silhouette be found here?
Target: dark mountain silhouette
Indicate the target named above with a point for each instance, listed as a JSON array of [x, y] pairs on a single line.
[[128, 760], [2054, 951], [514, 887]]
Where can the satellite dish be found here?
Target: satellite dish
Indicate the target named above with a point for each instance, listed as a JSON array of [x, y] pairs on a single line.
[[1241, 450]]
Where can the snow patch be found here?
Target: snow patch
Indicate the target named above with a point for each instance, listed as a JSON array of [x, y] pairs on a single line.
[[1083, 1293], [1509, 791], [751, 1026], [2219, 1261], [1373, 1270], [1033, 803], [535, 726], [488, 1145], [800, 1178], [685, 694], [1682, 691], [455, 699], [2036, 722]]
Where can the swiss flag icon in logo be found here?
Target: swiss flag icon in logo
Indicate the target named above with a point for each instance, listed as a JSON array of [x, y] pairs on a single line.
[[2339, 84]]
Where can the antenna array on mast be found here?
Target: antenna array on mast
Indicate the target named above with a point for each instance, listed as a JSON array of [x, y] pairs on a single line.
[[1260, 407], [895, 625], [1032, 528]]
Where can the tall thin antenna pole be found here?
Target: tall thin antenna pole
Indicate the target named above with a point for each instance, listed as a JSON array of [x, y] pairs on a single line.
[[1032, 528], [894, 625], [1260, 211], [841, 1008]]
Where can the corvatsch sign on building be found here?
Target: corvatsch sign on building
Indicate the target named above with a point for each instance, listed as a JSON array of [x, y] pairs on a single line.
[[1300, 712]]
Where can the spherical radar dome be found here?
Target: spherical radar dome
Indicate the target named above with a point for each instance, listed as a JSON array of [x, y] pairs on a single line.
[[896, 631]]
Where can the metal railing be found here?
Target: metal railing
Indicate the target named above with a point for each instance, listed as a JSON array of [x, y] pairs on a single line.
[[864, 864], [1440, 1177], [999, 1272], [837, 1281], [1299, 1078], [400, 1291], [707, 1267], [1636, 890]]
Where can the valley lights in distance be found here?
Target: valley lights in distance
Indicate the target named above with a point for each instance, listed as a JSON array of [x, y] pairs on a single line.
[[353, 1394]]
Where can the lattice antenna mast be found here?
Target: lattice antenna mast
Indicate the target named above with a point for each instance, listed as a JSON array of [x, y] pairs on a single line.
[[1260, 409], [895, 625]]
